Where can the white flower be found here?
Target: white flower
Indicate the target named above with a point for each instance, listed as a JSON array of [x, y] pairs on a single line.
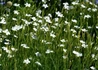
[[48, 51], [96, 27], [84, 45], [45, 6], [16, 12], [47, 18], [17, 27], [56, 19], [28, 15], [64, 57], [83, 6], [75, 3], [59, 14], [44, 28], [26, 61], [89, 9], [52, 35], [37, 54], [74, 20], [16, 5], [44, 1], [27, 5], [61, 45], [10, 56], [0, 55], [13, 49], [92, 68], [66, 6], [24, 46], [35, 29], [6, 32], [39, 11], [62, 40], [38, 63], [84, 30], [93, 55], [94, 9], [15, 19], [81, 41], [73, 30], [64, 50], [6, 50], [2, 21], [77, 53], [34, 18], [35, 24], [87, 16], [77, 27]]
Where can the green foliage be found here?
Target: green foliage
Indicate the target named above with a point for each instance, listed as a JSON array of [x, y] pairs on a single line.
[[37, 41]]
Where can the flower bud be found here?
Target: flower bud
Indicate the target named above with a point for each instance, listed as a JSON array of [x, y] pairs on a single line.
[[9, 4]]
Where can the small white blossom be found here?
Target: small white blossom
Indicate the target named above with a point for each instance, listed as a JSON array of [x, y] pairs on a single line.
[[84, 45], [62, 40], [64, 57], [27, 5], [48, 51], [96, 27], [59, 14], [73, 20], [13, 49], [92, 68], [83, 6], [77, 53], [75, 3], [17, 27], [93, 55], [94, 9], [81, 41], [38, 63], [64, 50], [15, 19], [37, 54], [3, 21], [52, 35], [26, 61], [66, 6], [47, 18], [24, 46], [16, 12], [28, 15], [84, 30], [16, 5], [89, 9], [87, 16], [6, 31], [45, 6]]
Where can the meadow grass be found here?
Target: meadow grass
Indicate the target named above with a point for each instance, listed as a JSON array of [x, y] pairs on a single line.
[[38, 38]]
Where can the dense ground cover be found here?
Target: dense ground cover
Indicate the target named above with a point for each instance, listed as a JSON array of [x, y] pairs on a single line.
[[41, 38]]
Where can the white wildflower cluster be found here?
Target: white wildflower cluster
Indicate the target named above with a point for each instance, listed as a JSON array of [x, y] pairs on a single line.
[[84, 45], [52, 34], [59, 14], [9, 51], [66, 6], [2, 20]]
